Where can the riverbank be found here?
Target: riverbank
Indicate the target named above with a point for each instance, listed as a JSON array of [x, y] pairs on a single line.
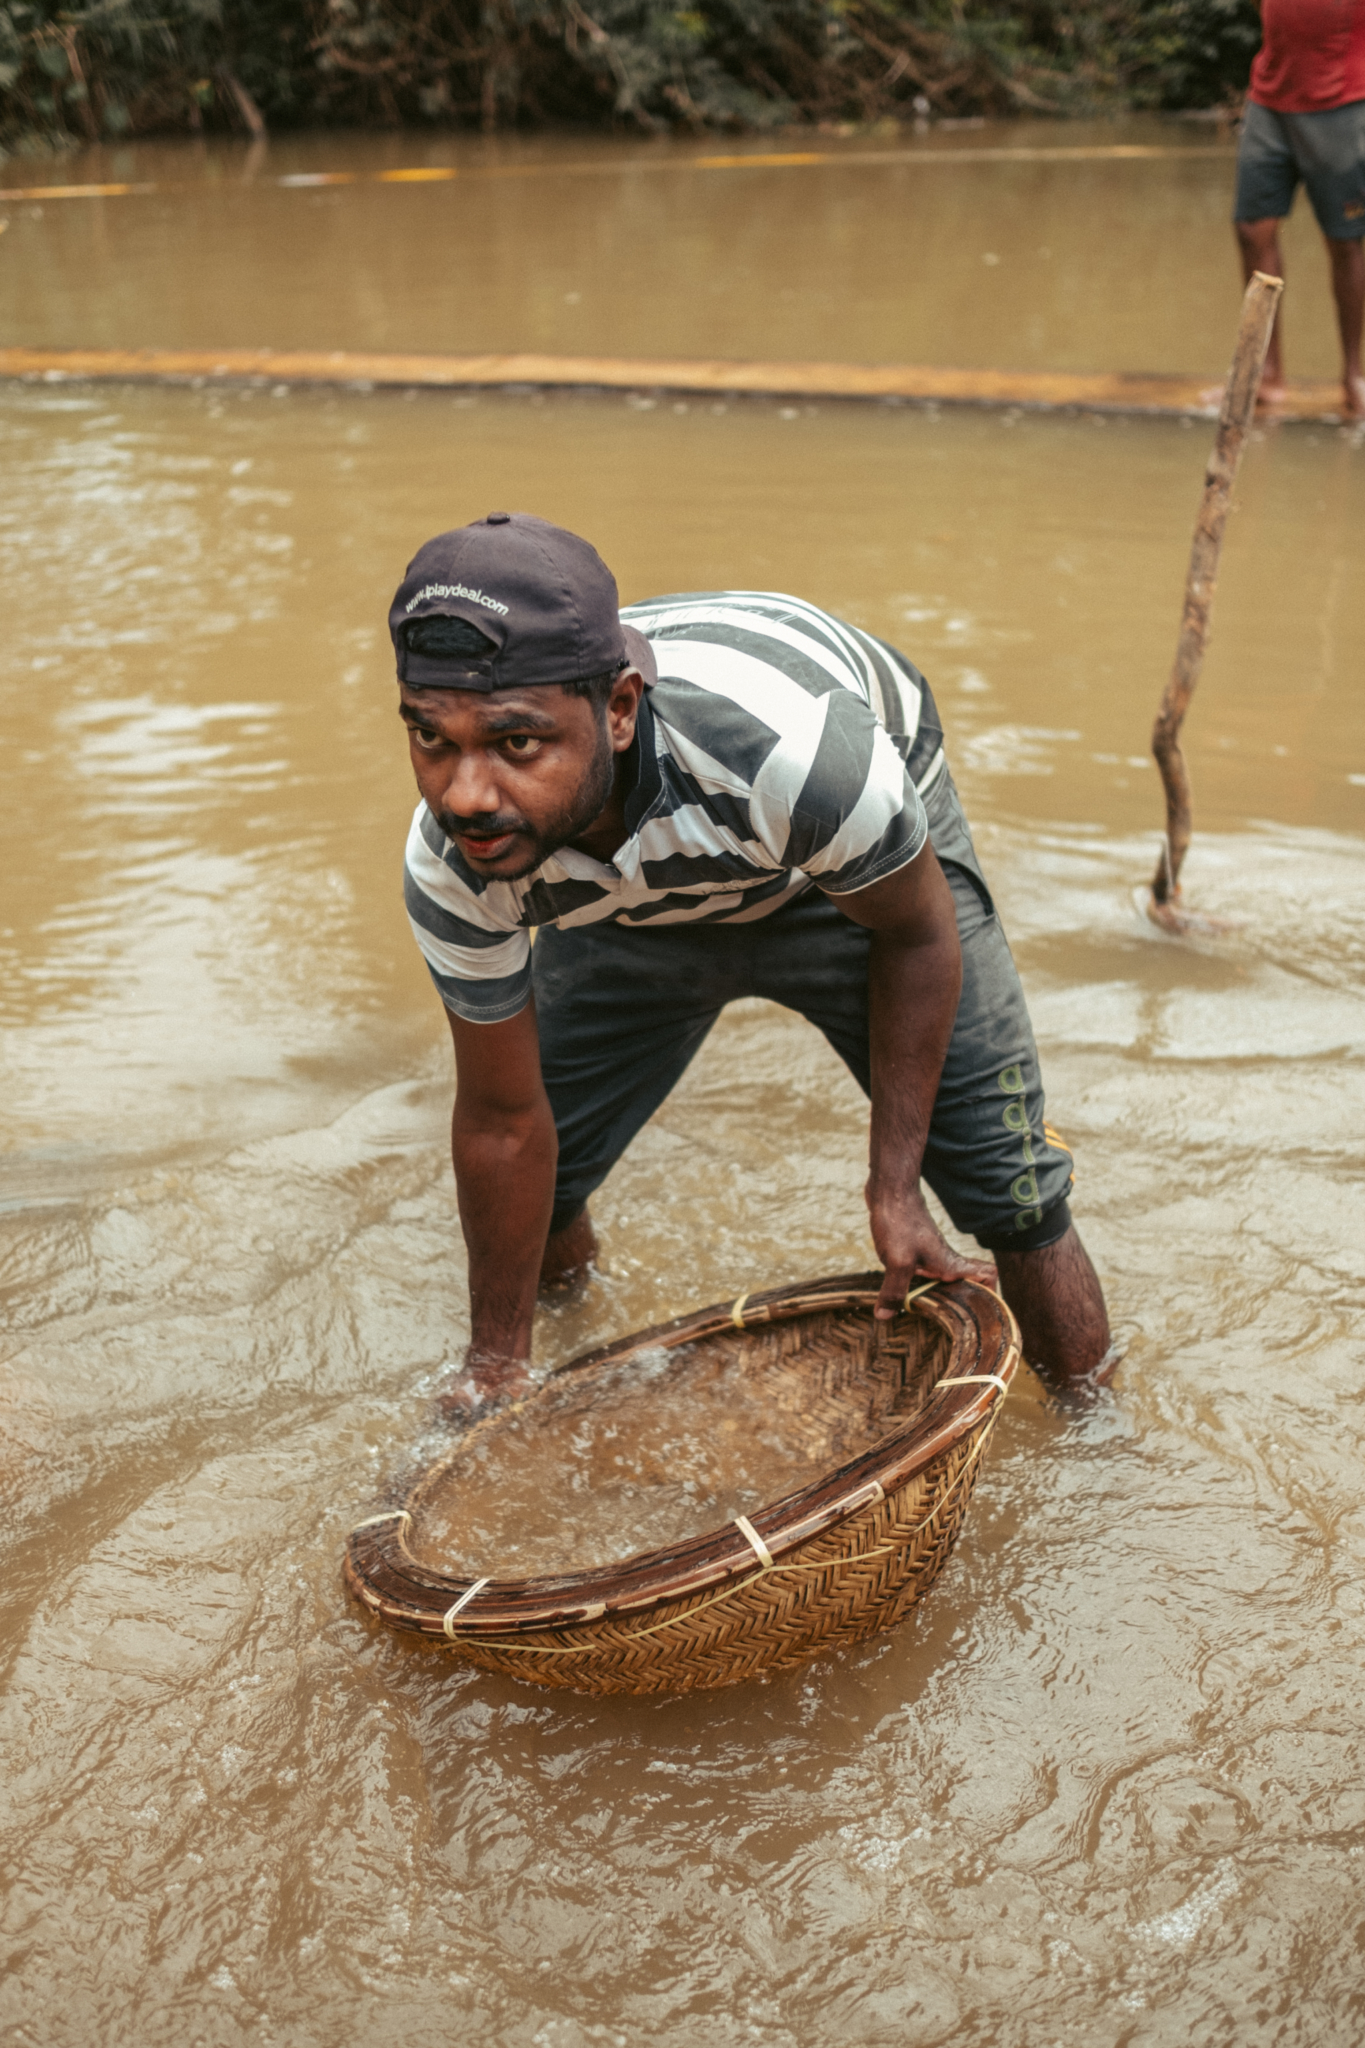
[[251, 65]]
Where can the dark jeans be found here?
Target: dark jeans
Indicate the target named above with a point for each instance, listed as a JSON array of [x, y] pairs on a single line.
[[623, 1008]]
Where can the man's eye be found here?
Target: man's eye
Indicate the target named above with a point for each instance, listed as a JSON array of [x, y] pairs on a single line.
[[521, 745], [426, 739]]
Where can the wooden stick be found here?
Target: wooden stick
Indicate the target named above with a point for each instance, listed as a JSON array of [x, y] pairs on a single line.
[[1239, 402]]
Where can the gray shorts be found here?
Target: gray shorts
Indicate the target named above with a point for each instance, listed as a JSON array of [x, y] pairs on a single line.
[[1326, 151], [622, 1009]]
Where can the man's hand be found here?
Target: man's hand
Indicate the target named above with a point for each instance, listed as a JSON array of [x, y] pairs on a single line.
[[487, 1382], [911, 1247]]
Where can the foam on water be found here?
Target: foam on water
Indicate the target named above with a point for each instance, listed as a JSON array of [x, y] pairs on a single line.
[[660, 1447]]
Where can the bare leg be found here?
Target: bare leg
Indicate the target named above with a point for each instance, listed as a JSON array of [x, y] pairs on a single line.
[[1348, 289], [1057, 1301], [568, 1253], [1259, 242]]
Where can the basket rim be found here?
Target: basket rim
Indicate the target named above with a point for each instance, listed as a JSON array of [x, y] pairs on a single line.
[[983, 1355]]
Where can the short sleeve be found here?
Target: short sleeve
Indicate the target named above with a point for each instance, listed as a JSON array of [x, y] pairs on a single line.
[[856, 816], [479, 960]]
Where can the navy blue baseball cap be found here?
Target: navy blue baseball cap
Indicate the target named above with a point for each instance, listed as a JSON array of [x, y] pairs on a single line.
[[525, 602]]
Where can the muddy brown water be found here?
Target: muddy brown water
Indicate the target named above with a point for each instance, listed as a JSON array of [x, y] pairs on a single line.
[[667, 1444], [1106, 1785], [1028, 245]]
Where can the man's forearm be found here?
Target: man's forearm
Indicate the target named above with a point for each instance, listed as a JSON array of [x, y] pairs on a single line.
[[505, 1179], [912, 1002], [914, 978]]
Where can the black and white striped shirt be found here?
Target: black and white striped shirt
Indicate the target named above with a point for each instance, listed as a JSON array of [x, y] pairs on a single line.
[[779, 749]]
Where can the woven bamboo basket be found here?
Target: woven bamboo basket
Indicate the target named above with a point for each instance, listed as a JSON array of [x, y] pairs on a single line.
[[841, 1558]]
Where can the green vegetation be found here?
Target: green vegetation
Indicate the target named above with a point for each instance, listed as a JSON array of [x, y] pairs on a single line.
[[127, 67]]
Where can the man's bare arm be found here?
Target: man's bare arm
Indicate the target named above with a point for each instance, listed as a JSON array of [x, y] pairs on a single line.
[[504, 1148], [914, 979]]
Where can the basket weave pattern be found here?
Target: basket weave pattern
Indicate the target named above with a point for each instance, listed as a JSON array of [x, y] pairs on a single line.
[[842, 1559]]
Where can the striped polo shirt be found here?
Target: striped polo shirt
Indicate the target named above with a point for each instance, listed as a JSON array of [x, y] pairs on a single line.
[[779, 750]]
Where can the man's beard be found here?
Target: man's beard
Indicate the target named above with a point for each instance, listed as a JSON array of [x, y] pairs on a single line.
[[588, 801]]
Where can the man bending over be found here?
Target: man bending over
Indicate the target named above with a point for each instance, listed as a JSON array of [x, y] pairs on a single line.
[[700, 798]]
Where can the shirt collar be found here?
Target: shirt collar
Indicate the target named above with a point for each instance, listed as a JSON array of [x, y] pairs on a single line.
[[642, 760]]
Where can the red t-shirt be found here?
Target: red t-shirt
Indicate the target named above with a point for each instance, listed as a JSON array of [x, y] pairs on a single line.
[[1312, 55]]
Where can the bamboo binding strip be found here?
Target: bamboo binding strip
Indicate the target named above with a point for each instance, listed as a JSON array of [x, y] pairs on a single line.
[[842, 1558]]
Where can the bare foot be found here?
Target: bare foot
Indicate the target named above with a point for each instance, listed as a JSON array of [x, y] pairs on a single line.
[[1272, 395], [1173, 917], [1353, 397]]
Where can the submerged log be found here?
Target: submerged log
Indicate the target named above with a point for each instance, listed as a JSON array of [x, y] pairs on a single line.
[[907, 383]]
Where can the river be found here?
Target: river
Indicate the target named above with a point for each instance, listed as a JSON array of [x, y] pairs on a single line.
[[1106, 1786]]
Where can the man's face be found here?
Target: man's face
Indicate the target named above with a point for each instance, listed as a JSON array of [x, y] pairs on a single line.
[[513, 775]]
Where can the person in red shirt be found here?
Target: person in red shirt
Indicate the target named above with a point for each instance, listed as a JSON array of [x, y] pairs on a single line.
[[1305, 120]]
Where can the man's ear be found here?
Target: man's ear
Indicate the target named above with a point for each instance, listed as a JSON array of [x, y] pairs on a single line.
[[622, 706]]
